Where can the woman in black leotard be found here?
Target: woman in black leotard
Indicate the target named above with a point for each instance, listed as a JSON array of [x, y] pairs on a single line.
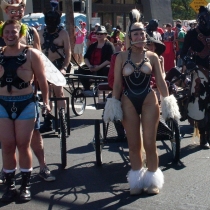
[[133, 70]]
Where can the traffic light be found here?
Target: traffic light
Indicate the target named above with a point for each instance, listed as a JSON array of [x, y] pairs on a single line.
[[79, 6]]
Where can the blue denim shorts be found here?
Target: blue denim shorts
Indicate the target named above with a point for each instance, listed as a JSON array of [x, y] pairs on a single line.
[[29, 112]]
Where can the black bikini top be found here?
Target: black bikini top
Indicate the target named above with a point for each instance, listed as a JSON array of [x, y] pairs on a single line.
[[136, 68], [48, 42], [137, 80], [11, 64]]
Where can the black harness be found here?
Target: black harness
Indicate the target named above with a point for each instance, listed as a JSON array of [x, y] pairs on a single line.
[[11, 64], [30, 36], [48, 42]]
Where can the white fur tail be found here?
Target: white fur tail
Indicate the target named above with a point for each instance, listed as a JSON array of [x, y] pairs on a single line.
[[170, 108], [112, 111]]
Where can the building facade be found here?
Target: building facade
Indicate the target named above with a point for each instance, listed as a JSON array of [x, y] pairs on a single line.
[[114, 12]]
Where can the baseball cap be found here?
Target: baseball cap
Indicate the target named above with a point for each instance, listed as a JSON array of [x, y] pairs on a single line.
[[97, 24], [101, 30]]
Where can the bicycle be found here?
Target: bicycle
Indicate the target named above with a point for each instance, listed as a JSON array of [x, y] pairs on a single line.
[[78, 98], [61, 126]]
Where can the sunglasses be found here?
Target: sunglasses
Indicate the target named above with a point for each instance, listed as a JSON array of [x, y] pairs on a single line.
[[12, 12]]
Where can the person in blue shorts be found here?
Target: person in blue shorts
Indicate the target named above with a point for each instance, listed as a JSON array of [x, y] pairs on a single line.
[[15, 10], [19, 64]]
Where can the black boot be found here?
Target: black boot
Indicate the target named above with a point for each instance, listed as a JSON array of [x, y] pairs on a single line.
[[11, 192], [47, 125], [203, 142], [25, 193]]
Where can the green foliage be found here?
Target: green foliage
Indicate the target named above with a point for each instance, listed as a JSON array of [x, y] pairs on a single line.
[[181, 10]]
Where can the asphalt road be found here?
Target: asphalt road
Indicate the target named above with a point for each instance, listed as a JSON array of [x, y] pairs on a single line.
[[84, 186]]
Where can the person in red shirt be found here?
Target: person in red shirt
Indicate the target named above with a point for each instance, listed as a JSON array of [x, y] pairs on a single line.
[[97, 59], [92, 36]]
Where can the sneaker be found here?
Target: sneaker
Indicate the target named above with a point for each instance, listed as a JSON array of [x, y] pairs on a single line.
[[88, 93], [205, 145], [46, 174], [2, 177]]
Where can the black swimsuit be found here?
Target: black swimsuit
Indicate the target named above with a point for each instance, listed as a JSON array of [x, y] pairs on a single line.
[[137, 84]]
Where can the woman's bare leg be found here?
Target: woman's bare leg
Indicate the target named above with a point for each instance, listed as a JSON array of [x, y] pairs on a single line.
[[150, 119], [131, 123]]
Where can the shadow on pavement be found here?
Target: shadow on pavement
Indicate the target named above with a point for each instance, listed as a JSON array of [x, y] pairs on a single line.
[[82, 180], [80, 123]]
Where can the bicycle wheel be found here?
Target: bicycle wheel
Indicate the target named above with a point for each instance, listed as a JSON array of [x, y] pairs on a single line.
[[175, 139], [98, 145], [78, 102], [63, 131]]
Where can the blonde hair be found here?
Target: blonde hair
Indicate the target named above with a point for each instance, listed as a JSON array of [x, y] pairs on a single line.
[[135, 17]]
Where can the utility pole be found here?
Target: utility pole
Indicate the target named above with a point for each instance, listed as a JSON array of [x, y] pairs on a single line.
[[88, 14], [70, 21]]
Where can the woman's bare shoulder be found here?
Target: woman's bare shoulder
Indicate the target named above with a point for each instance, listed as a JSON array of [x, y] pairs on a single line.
[[151, 55], [123, 55]]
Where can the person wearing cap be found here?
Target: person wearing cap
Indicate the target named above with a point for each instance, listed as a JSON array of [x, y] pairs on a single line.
[[151, 29], [92, 36], [15, 10], [134, 103], [115, 39], [80, 35], [121, 35], [159, 48], [97, 59]]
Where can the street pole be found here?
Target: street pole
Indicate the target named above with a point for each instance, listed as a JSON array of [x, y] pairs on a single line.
[[88, 14]]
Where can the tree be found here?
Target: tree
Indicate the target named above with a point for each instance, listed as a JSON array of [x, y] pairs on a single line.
[[70, 21], [181, 10]]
